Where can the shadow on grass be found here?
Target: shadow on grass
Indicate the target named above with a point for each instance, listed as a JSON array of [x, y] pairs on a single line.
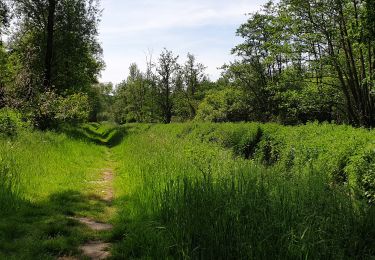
[[110, 137], [44, 230]]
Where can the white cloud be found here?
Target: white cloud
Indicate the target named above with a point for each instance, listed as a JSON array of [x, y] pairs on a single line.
[[130, 27]]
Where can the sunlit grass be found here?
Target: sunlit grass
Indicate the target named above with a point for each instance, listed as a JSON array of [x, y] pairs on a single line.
[[186, 191], [45, 179], [192, 191]]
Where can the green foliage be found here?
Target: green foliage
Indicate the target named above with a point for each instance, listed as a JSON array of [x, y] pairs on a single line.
[[297, 67], [165, 92], [223, 106], [57, 109], [167, 74], [40, 60], [10, 122], [136, 99], [101, 99], [361, 170], [76, 52], [73, 108]]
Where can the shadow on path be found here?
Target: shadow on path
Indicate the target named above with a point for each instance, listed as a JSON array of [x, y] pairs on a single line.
[[46, 230]]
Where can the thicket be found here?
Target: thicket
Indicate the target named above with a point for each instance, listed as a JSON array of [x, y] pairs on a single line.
[[245, 191], [11, 122]]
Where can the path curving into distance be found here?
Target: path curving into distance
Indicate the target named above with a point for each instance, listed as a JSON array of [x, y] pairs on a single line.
[[102, 193]]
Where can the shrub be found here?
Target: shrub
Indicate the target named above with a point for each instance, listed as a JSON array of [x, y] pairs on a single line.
[[10, 122], [54, 109], [226, 105]]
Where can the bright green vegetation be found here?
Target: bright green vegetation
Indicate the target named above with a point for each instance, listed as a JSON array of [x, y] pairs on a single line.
[[44, 179], [245, 191], [194, 190], [108, 134], [190, 191]]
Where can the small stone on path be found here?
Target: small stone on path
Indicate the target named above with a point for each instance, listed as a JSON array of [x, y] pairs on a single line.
[[96, 250], [94, 225]]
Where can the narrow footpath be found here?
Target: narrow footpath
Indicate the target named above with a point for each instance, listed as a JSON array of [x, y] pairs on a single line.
[[101, 191]]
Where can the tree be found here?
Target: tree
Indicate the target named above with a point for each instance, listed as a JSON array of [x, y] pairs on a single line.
[[166, 69], [324, 43], [67, 55], [101, 99], [3, 55], [50, 43], [193, 74], [134, 98], [4, 17], [55, 49], [264, 57], [226, 105]]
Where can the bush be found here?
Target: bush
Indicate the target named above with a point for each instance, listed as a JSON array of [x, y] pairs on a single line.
[[10, 122], [226, 105], [340, 152], [54, 109]]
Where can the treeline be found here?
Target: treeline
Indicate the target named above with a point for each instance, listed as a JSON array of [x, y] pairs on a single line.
[[166, 91], [300, 61], [50, 59], [310, 60]]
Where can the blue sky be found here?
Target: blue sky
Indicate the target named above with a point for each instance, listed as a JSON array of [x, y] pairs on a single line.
[[130, 29]]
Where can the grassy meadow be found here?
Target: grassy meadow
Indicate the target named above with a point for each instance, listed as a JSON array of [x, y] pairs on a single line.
[[245, 191], [43, 180], [192, 191]]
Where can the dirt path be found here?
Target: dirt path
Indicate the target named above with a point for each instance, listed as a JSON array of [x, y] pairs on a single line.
[[102, 191], [98, 250]]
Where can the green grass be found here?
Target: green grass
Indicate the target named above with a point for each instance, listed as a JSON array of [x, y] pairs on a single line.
[[44, 180], [242, 191], [192, 191], [107, 134]]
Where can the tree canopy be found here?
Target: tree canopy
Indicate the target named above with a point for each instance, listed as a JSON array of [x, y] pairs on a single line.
[[299, 61]]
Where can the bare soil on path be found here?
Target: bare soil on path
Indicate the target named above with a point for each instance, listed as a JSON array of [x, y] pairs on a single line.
[[102, 190]]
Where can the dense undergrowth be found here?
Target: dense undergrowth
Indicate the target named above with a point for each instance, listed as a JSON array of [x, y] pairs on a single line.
[[43, 180], [245, 191]]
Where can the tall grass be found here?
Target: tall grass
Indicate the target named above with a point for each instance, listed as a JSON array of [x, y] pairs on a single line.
[[242, 191], [44, 163], [44, 178]]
